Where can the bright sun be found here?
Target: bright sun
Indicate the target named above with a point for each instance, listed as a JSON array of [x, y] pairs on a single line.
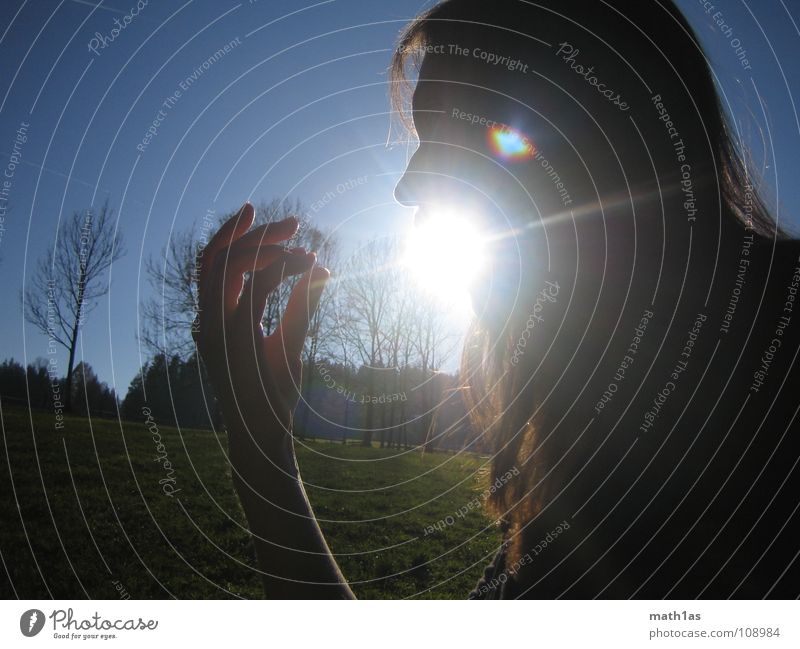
[[444, 254]]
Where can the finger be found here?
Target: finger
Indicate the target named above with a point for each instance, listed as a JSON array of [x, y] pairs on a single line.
[[263, 282], [274, 232], [230, 231], [300, 309], [224, 281], [246, 260], [210, 299]]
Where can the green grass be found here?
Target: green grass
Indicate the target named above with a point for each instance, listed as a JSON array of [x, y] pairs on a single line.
[[100, 521]]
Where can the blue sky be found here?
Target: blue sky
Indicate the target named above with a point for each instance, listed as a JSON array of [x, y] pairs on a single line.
[[297, 107]]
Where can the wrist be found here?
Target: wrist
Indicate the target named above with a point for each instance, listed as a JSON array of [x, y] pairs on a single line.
[[262, 447], [255, 411], [267, 487]]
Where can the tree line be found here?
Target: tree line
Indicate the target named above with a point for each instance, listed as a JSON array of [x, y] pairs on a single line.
[[372, 359], [35, 385]]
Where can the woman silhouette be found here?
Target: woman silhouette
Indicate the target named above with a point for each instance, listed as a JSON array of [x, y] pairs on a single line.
[[632, 356]]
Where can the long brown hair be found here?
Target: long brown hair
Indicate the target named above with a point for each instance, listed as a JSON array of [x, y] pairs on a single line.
[[499, 395]]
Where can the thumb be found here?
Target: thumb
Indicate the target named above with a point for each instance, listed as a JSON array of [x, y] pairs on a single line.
[[300, 309]]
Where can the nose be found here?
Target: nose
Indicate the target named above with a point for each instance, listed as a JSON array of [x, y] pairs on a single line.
[[413, 190]]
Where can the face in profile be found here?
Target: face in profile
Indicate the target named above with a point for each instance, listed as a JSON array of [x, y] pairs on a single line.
[[550, 171], [474, 160]]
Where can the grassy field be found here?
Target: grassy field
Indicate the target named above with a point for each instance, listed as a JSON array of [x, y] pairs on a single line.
[[84, 515]]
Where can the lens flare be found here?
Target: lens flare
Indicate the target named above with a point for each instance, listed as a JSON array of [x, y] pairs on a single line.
[[510, 144]]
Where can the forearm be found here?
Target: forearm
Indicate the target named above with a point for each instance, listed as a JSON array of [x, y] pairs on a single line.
[[254, 375], [291, 550]]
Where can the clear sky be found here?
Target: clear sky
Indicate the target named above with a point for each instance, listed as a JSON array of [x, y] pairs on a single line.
[[296, 108]]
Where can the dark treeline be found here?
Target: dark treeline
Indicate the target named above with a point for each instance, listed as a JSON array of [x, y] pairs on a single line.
[[392, 407], [37, 386], [334, 405], [175, 392]]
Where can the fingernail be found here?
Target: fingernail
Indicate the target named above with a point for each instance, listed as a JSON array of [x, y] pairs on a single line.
[[321, 273]]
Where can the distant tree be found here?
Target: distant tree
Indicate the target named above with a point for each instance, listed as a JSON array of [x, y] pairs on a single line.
[[340, 351], [38, 388], [134, 400], [449, 427], [150, 388], [40, 384], [167, 316], [32, 385], [321, 336], [175, 391], [368, 287], [434, 344], [67, 283], [12, 380], [401, 348], [90, 396]]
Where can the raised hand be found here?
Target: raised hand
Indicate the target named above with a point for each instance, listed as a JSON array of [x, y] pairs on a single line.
[[256, 377]]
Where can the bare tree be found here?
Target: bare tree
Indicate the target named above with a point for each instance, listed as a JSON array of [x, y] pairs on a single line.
[[322, 328], [338, 345], [400, 351], [433, 340], [369, 288], [67, 283], [434, 345], [167, 316], [390, 325]]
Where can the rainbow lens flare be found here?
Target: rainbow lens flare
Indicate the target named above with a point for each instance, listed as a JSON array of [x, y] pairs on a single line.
[[510, 144]]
